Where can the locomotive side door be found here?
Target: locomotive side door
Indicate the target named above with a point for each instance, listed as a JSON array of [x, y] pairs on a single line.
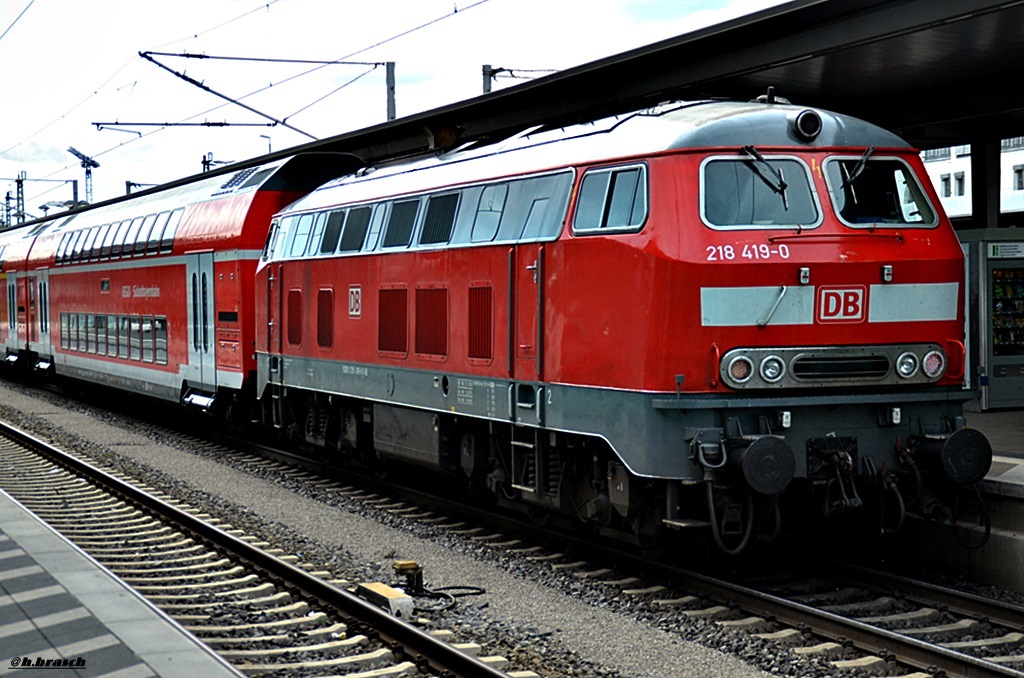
[[526, 332], [202, 365], [275, 278]]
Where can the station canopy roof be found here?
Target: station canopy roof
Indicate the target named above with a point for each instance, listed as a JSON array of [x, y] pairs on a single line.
[[937, 72]]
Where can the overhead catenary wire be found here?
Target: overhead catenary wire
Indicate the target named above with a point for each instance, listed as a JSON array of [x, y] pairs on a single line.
[[16, 19], [456, 10], [237, 102], [397, 36]]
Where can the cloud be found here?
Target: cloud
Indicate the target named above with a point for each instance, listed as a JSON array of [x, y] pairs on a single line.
[[32, 152]]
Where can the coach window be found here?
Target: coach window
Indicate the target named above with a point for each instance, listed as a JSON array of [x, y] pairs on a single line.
[[87, 241], [400, 223], [356, 226], [142, 237], [112, 335], [488, 213], [439, 219], [76, 252], [167, 239], [75, 243], [73, 332], [90, 332], [101, 334], [62, 247], [612, 199], [135, 337], [155, 235], [131, 236], [124, 330], [83, 332], [302, 228], [752, 191], [160, 339], [117, 244], [147, 338], [108, 241], [97, 243], [316, 235], [869, 192], [64, 324], [332, 232]]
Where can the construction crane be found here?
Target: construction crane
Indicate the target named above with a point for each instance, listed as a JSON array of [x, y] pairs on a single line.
[[88, 163]]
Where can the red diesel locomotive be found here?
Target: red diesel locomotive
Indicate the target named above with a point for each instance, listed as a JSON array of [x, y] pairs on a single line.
[[711, 314]]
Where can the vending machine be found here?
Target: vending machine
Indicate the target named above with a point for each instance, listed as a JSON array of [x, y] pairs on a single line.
[[995, 315]]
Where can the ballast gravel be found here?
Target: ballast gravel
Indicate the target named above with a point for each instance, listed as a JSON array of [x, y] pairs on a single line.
[[540, 619]]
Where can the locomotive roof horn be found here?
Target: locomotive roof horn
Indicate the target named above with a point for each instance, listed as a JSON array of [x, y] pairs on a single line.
[[770, 98]]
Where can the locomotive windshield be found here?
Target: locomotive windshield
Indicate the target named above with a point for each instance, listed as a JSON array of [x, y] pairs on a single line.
[[869, 192], [757, 192]]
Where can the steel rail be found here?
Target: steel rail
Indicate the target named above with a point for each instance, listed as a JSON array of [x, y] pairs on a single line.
[[962, 602], [882, 642], [426, 651]]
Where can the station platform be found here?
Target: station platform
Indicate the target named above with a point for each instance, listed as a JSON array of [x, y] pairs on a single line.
[[59, 608], [1005, 430]]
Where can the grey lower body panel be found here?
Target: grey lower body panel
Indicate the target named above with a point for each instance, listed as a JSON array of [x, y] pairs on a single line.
[[649, 432]]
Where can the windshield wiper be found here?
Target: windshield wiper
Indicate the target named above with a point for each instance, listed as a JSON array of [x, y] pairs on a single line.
[[858, 168], [776, 181]]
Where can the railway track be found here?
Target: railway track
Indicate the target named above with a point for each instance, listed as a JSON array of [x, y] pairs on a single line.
[[856, 622], [259, 609]]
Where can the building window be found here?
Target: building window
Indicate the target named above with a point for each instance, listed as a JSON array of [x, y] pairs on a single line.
[[958, 180], [946, 186], [936, 154]]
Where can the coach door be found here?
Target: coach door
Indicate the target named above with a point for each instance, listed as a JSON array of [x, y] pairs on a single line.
[[526, 349], [12, 311], [202, 367], [26, 297], [41, 320]]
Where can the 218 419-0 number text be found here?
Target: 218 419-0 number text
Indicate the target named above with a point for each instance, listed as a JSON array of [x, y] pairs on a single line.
[[732, 252]]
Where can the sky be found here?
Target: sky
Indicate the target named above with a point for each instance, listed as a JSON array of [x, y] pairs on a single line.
[[70, 64]]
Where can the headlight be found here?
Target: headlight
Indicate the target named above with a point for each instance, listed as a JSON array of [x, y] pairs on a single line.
[[906, 365], [772, 368], [934, 364], [740, 369]]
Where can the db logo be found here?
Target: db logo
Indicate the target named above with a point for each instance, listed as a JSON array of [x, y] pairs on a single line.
[[355, 301], [841, 304]]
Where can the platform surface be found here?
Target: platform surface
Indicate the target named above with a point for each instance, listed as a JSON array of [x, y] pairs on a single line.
[[57, 603]]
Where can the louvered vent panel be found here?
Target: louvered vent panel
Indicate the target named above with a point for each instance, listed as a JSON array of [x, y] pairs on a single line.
[[480, 323], [393, 320], [432, 321]]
